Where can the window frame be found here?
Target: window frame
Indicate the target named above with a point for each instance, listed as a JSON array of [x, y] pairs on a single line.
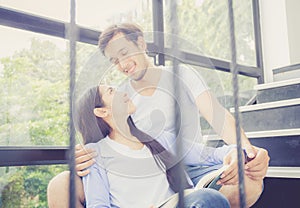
[[36, 155]]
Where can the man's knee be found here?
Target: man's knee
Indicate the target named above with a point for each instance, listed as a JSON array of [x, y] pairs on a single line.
[[58, 189], [253, 190], [62, 177]]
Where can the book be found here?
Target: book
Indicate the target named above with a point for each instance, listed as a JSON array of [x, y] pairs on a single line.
[[210, 179], [207, 181]]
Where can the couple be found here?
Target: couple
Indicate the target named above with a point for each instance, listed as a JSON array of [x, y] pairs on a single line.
[[131, 169], [125, 47]]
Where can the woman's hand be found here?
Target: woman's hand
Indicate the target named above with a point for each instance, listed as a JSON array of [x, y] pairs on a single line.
[[84, 159], [230, 175]]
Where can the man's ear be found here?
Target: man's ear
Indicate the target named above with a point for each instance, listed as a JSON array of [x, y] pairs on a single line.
[[141, 43], [101, 112]]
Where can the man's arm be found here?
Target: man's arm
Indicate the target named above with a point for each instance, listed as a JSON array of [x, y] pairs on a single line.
[[221, 120], [223, 123]]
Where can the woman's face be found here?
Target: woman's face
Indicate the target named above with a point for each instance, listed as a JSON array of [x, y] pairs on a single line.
[[118, 102]]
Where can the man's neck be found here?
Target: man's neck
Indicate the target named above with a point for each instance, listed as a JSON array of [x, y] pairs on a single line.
[[148, 84]]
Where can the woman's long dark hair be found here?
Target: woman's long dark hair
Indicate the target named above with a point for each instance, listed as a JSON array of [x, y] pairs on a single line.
[[93, 129]]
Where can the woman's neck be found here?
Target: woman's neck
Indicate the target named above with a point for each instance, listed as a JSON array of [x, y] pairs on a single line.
[[121, 134]]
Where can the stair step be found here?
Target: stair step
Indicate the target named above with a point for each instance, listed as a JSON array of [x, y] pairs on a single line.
[[260, 134], [287, 72], [277, 84], [283, 145], [283, 172], [275, 91], [271, 116], [269, 105], [279, 192]]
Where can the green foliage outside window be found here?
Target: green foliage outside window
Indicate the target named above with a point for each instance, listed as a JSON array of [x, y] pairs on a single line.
[[34, 104]]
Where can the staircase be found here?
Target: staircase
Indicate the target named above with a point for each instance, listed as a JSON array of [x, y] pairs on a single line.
[[274, 124]]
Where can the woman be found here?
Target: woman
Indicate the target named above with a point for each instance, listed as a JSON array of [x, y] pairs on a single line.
[[132, 169]]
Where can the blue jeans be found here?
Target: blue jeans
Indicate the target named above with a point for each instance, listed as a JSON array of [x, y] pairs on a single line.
[[197, 172], [206, 198]]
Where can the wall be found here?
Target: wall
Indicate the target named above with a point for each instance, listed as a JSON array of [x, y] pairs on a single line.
[[280, 29], [293, 24]]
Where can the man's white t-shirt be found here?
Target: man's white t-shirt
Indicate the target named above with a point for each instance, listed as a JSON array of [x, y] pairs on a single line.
[[155, 114]]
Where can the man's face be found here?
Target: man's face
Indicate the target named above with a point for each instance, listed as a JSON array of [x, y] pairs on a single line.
[[130, 58]]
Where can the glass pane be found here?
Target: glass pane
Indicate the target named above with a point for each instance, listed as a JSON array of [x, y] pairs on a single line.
[[94, 69], [53, 9], [220, 84], [204, 29], [244, 32], [26, 186], [34, 89], [98, 14], [34, 81]]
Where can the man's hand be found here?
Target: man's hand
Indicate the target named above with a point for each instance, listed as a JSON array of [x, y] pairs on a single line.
[[257, 168], [251, 151], [84, 159]]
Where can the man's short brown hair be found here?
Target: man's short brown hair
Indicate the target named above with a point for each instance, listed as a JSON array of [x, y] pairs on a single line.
[[130, 30]]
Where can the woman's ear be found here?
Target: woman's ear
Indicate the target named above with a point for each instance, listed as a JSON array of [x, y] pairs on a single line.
[[141, 43], [101, 112]]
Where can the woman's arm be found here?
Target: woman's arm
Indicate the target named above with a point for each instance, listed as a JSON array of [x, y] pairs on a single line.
[[95, 184], [96, 187]]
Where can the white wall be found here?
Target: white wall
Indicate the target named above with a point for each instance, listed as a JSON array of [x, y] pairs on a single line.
[[274, 36], [293, 24], [280, 27]]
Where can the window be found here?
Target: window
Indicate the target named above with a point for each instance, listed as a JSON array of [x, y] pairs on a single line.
[[34, 89], [34, 72], [26, 186], [204, 29], [55, 9], [98, 14]]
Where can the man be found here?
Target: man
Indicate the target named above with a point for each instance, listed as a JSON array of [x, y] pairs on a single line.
[[124, 46]]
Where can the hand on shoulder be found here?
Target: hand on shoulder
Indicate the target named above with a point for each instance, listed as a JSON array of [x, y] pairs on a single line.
[[84, 159]]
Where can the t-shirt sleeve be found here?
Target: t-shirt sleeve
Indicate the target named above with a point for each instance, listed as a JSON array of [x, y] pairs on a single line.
[[96, 186], [192, 80]]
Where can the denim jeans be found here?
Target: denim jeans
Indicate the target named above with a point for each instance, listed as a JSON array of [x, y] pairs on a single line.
[[197, 172], [206, 198]]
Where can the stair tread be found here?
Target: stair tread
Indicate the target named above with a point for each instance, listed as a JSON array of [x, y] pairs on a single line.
[[268, 105], [261, 134], [277, 84], [283, 172]]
